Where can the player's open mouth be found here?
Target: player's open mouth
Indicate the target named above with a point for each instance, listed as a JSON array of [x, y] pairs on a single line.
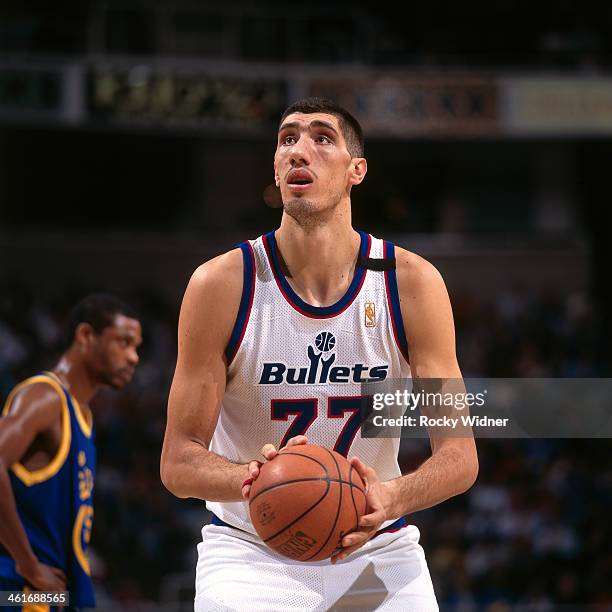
[[298, 180]]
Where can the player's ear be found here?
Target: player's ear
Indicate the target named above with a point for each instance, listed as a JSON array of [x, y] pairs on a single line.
[[357, 170], [84, 334]]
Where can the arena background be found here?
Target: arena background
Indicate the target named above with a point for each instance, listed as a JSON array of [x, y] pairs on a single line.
[[136, 141]]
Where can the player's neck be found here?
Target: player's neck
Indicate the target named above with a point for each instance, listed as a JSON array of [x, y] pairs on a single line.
[[73, 373], [320, 262]]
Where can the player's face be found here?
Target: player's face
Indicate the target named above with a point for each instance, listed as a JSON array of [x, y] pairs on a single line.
[[312, 163], [115, 352]]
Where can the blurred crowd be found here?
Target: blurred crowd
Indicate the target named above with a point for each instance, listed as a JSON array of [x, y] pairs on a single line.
[[532, 534]]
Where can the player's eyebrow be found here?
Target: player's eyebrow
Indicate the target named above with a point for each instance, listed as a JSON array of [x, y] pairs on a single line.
[[130, 336], [316, 123], [289, 126], [324, 124]]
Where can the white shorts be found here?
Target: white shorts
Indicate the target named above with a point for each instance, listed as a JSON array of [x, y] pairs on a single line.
[[239, 573]]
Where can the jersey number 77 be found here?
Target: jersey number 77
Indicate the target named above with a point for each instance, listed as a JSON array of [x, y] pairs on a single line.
[[306, 411]]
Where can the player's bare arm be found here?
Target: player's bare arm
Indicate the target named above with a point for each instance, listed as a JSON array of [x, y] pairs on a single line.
[[453, 466], [208, 313], [430, 332], [35, 413]]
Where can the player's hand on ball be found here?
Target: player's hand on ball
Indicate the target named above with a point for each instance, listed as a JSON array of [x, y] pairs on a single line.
[[253, 470], [377, 501], [269, 452]]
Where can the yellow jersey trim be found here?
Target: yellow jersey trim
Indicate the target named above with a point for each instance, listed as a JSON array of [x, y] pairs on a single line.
[[34, 607], [82, 527], [37, 476], [78, 412]]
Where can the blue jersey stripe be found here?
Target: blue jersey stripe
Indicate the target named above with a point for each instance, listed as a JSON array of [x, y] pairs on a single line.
[[317, 312], [246, 301], [394, 302]]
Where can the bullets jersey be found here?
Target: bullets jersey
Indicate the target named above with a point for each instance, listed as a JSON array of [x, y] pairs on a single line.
[[297, 369]]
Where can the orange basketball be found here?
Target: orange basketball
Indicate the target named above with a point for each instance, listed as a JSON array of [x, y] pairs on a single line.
[[305, 501]]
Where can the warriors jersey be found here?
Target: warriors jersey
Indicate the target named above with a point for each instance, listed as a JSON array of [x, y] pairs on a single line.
[[294, 368], [55, 502]]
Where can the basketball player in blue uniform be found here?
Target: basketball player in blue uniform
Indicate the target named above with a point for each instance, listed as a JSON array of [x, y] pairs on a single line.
[[48, 456], [275, 339]]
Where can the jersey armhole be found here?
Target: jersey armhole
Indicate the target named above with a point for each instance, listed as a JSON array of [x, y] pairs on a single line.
[[393, 301], [54, 466], [246, 302]]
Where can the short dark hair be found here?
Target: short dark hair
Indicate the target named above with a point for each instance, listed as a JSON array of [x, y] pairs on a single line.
[[99, 310], [351, 129]]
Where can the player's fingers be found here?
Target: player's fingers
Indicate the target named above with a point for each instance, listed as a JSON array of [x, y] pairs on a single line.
[[56, 585], [357, 538], [373, 519], [345, 552], [368, 475], [269, 451], [59, 573], [297, 440], [254, 469], [246, 491]]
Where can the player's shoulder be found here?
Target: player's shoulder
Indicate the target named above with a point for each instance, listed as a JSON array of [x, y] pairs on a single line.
[[217, 285], [35, 399], [224, 269], [415, 274]]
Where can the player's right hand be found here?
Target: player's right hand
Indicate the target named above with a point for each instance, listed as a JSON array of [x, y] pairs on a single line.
[[46, 578], [269, 452]]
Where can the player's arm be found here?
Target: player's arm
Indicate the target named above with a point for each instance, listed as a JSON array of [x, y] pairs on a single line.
[[430, 333], [35, 409], [453, 465], [208, 314]]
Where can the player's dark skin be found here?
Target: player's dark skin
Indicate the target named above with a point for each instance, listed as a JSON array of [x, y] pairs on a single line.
[[31, 433]]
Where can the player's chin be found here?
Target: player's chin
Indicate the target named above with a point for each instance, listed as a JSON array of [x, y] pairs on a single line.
[[119, 381], [300, 207]]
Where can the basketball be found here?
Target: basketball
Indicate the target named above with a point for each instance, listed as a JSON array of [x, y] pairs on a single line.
[[305, 501]]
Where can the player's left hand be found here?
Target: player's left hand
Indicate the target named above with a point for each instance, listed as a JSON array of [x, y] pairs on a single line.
[[377, 502]]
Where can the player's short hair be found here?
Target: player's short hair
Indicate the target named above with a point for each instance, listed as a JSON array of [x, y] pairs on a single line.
[[99, 310], [351, 129]]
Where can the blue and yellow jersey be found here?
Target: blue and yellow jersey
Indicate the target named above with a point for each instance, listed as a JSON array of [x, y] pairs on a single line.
[[55, 502]]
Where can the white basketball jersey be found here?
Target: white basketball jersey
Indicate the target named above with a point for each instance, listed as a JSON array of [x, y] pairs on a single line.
[[297, 369]]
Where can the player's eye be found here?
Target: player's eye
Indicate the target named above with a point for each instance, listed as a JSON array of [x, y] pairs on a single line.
[[288, 140], [322, 139]]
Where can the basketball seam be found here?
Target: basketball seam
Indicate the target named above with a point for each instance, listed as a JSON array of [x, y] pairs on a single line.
[[353, 498], [333, 527], [313, 479], [305, 457], [301, 515], [326, 477], [319, 478]]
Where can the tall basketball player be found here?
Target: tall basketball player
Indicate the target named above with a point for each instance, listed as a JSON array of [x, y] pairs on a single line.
[[48, 457], [275, 338]]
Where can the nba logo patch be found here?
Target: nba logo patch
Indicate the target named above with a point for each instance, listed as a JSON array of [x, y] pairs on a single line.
[[370, 314]]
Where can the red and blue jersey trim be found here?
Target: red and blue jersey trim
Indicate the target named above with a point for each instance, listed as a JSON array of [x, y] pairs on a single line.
[[294, 300], [246, 302], [397, 322]]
